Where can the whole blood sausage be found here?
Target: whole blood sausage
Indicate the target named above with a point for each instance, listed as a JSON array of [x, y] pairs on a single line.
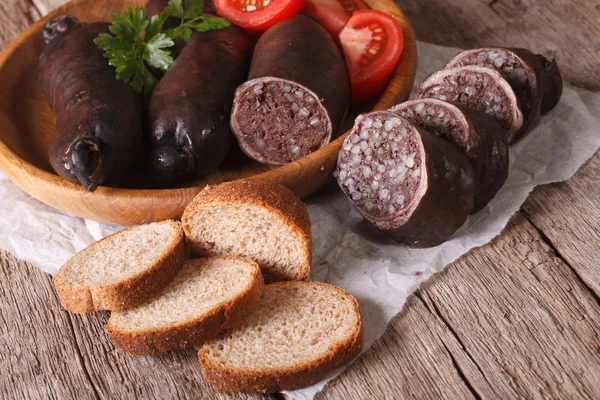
[[297, 94], [478, 88], [98, 118], [521, 69], [479, 137], [404, 180], [553, 84], [189, 108]]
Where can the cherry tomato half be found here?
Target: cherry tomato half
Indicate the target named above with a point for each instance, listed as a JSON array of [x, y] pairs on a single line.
[[372, 42], [333, 14], [257, 15]]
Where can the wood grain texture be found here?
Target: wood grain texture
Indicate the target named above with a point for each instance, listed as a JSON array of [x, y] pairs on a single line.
[[47, 353], [16, 16], [28, 127], [510, 320], [39, 357], [568, 215]]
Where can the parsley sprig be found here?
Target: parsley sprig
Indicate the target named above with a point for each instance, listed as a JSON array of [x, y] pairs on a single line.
[[137, 43]]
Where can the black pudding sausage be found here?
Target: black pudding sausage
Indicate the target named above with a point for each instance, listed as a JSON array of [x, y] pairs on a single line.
[[405, 181], [189, 108], [479, 136], [98, 118], [553, 84], [296, 96], [478, 88]]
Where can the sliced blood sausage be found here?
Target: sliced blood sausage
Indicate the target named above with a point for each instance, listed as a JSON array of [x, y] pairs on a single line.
[[478, 88], [479, 136], [297, 94], [98, 118], [189, 108], [404, 180], [553, 84], [521, 69]]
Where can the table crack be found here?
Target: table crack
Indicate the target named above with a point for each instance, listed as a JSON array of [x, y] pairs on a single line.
[[81, 359], [436, 312], [558, 254]]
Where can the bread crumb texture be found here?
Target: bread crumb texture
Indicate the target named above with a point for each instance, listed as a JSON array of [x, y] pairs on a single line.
[[200, 287], [255, 219], [296, 323], [122, 255]]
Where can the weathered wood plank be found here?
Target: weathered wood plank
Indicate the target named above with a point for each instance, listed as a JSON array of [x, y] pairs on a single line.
[[410, 361], [568, 214], [39, 357], [15, 16], [529, 323], [513, 318], [46, 352], [117, 374]]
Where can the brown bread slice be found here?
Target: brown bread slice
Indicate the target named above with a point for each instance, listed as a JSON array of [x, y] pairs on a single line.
[[300, 333], [122, 270], [208, 296], [255, 219]]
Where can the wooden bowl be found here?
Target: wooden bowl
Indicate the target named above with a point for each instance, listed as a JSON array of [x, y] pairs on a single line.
[[27, 124]]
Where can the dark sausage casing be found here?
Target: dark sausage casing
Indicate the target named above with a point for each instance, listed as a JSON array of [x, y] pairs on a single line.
[[529, 75], [478, 135], [296, 96], [478, 88], [98, 118], [189, 109], [404, 180]]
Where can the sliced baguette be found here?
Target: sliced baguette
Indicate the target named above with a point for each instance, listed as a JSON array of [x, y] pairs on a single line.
[[300, 333], [208, 296], [122, 270], [255, 219]]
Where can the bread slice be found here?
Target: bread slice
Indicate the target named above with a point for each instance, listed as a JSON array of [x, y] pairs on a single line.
[[300, 333], [255, 219], [206, 297], [122, 270]]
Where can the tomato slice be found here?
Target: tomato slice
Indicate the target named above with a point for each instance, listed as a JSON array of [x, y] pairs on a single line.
[[333, 14], [257, 15], [372, 42]]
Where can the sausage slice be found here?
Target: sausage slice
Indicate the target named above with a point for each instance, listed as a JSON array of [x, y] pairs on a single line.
[[404, 180], [297, 93], [477, 88], [476, 134]]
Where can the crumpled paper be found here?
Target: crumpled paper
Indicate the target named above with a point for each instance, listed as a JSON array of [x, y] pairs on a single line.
[[347, 252]]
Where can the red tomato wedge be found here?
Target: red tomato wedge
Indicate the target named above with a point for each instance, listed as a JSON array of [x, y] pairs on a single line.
[[372, 42], [333, 14], [257, 15]]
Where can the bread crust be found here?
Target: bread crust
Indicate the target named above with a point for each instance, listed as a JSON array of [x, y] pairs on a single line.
[[279, 379], [129, 292], [227, 315], [262, 193]]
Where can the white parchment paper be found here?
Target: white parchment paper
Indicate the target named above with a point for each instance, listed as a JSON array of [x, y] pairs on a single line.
[[348, 253]]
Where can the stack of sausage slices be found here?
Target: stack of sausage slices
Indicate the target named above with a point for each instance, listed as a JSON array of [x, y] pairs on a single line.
[[417, 170], [244, 296]]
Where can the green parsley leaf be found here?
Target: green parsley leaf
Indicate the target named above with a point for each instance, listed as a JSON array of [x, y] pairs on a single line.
[[155, 54], [193, 8], [175, 8], [137, 43], [216, 23]]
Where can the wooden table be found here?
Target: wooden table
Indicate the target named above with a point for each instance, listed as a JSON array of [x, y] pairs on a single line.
[[518, 318]]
